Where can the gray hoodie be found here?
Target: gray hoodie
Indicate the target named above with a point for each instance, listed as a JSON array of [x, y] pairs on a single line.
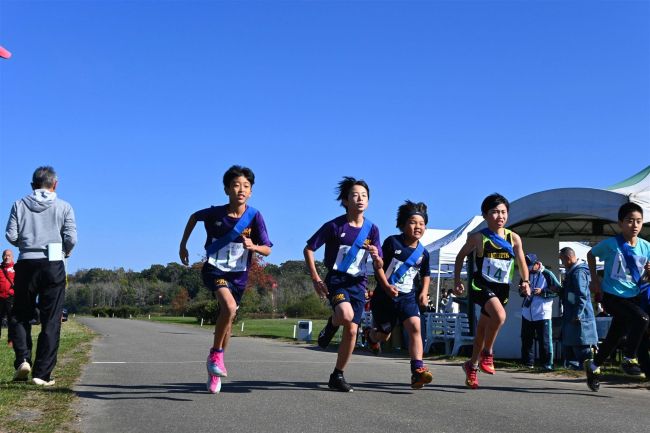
[[40, 219]]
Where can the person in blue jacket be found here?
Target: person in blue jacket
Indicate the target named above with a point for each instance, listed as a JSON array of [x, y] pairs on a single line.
[[578, 320]]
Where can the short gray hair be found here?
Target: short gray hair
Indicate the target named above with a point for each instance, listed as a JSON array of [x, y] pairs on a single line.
[[567, 252], [44, 177]]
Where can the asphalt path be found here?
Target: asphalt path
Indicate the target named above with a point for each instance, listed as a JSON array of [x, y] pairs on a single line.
[[150, 377]]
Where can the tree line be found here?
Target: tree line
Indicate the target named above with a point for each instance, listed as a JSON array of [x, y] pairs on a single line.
[[272, 290]]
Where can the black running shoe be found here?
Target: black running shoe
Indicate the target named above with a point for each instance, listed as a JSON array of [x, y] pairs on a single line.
[[326, 334], [631, 367], [337, 382], [593, 376]]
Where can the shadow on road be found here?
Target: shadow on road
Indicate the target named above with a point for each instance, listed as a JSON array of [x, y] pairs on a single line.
[[134, 392]]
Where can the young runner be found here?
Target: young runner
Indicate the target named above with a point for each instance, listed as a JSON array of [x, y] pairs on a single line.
[[626, 258], [396, 298], [496, 248], [349, 240], [234, 232]]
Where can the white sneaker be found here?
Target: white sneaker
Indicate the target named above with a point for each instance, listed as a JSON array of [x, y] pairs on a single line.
[[22, 371], [41, 382]]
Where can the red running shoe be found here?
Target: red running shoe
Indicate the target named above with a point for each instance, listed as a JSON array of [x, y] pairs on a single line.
[[375, 347], [470, 375], [486, 362]]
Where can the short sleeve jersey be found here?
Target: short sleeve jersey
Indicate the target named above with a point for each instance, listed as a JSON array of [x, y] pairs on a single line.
[[618, 279], [338, 236], [233, 259], [395, 254]]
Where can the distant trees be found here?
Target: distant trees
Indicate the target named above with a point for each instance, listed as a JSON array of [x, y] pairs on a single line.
[[173, 288]]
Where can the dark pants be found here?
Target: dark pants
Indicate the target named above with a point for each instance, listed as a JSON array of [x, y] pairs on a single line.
[[544, 332], [5, 311], [628, 319], [46, 280], [577, 354]]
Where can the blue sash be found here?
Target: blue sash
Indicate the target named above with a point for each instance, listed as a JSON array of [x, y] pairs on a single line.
[[349, 257], [498, 241], [409, 263], [626, 249], [234, 233]]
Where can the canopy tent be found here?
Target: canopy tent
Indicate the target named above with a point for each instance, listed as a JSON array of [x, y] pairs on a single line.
[[545, 218], [443, 251]]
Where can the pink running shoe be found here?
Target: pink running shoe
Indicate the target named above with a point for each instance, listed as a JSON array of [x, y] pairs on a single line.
[[215, 364], [213, 384]]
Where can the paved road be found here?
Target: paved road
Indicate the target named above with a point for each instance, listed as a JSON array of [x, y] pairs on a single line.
[[150, 377]]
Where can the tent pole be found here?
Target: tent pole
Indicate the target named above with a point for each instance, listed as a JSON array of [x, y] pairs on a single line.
[[438, 284]]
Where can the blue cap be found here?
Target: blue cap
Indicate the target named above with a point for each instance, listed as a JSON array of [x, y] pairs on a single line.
[[531, 259]]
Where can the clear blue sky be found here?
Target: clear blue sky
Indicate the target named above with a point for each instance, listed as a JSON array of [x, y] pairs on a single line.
[[142, 105]]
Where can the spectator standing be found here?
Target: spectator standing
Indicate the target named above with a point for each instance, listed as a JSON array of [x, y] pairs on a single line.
[[537, 314], [43, 227], [578, 321], [7, 276]]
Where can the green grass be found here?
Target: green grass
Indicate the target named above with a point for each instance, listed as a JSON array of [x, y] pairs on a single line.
[[267, 328], [27, 408]]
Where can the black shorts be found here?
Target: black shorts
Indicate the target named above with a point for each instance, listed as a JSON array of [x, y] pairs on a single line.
[[387, 312], [482, 291]]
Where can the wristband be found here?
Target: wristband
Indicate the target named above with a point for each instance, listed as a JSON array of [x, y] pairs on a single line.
[[525, 281]]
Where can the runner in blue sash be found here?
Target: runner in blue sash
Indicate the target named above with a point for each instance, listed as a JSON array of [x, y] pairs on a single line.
[[496, 249], [626, 258], [403, 288], [234, 233], [349, 240]]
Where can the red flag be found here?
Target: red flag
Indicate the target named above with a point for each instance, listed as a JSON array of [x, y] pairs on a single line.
[[4, 53]]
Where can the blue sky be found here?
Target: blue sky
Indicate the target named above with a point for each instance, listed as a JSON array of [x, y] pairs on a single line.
[[141, 106]]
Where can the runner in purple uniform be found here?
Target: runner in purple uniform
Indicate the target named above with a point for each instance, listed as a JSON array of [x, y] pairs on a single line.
[[349, 240], [234, 232]]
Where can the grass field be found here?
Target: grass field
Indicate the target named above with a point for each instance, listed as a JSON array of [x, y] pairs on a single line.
[[267, 328], [27, 408]]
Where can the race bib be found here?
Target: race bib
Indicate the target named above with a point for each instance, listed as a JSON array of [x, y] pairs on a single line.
[[620, 271], [496, 270], [404, 284], [231, 258], [358, 266]]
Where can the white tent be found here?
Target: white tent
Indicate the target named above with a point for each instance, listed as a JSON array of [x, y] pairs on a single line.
[[546, 218], [443, 251]]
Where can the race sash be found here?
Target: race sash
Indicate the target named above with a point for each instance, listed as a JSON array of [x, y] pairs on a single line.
[[404, 267], [351, 254], [498, 241], [237, 230], [626, 250]]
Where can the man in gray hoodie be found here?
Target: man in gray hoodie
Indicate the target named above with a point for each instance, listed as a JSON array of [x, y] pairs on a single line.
[[43, 227]]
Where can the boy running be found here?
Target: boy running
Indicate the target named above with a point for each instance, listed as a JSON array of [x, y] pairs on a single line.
[[349, 240], [626, 258], [496, 250], [396, 299], [234, 232]]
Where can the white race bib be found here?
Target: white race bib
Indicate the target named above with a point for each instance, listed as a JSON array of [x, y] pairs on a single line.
[[620, 271], [231, 258], [358, 266], [496, 270], [404, 284]]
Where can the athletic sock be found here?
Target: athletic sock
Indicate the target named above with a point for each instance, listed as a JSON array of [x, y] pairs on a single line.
[[337, 371], [415, 364], [216, 350]]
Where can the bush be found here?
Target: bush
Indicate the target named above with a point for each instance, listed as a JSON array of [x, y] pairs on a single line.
[[206, 310], [309, 307]]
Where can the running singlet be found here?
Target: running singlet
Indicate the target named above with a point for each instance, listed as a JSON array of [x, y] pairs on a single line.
[[397, 254], [496, 266]]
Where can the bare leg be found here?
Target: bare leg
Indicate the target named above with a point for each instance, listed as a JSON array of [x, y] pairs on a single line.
[[412, 325], [343, 315], [227, 311], [496, 320]]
